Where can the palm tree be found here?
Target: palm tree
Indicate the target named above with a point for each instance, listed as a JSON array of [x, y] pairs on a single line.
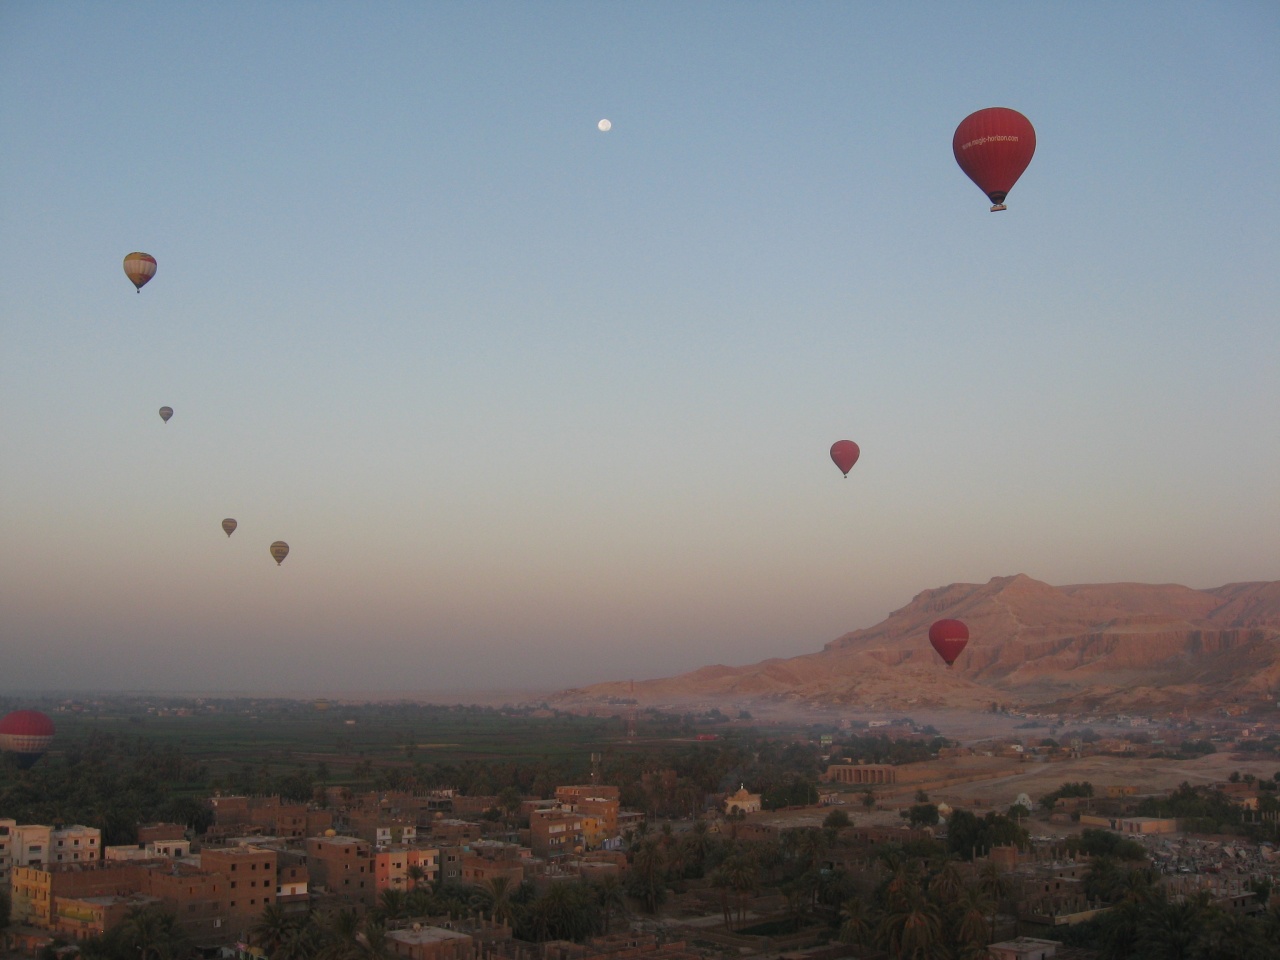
[[301, 943], [720, 881], [858, 927], [610, 896], [393, 904], [1229, 936], [151, 934], [812, 844], [912, 929], [372, 940], [416, 875], [971, 925], [339, 935], [694, 846], [743, 874], [565, 912], [274, 926], [1170, 930], [497, 892], [648, 880], [947, 883]]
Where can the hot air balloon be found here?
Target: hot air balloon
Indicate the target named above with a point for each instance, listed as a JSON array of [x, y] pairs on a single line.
[[166, 413], [949, 638], [27, 734], [139, 267], [229, 526], [279, 550], [993, 147], [845, 454]]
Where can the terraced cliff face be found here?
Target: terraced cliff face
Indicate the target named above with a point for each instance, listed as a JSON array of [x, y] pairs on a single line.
[[1114, 646]]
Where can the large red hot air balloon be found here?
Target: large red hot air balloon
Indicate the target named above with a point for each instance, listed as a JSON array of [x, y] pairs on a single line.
[[993, 147], [949, 638], [845, 454], [26, 733]]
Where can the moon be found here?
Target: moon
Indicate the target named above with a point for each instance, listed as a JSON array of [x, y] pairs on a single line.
[[605, 126]]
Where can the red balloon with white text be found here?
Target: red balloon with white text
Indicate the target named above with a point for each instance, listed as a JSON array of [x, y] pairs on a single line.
[[949, 638], [994, 147]]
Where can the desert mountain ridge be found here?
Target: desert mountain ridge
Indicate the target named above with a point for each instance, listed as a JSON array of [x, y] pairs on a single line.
[[1109, 647]]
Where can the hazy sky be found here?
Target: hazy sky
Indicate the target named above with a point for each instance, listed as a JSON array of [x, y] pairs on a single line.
[[536, 405]]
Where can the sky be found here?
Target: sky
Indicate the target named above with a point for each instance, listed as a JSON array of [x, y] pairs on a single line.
[[536, 405]]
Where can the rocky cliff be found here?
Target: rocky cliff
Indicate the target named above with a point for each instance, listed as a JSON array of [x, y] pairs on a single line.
[[1113, 646]]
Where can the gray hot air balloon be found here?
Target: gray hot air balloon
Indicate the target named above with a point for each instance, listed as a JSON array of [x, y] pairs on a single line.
[[279, 550], [229, 526], [166, 413]]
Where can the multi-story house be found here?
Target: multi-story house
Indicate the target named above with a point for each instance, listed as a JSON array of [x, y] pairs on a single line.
[[394, 866], [250, 883], [293, 882], [555, 833], [26, 845], [342, 866], [35, 890]]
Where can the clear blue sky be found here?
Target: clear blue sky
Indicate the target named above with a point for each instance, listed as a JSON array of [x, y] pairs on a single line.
[[536, 405]]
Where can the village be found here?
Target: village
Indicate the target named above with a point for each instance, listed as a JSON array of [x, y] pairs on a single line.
[[263, 857]]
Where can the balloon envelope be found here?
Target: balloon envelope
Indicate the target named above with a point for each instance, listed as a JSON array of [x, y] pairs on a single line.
[[845, 454], [949, 638], [993, 147], [26, 733], [229, 526], [139, 267], [279, 550], [166, 413]]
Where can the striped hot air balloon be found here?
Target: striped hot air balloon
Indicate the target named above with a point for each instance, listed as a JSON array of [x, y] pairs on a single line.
[[27, 734], [139, 268]]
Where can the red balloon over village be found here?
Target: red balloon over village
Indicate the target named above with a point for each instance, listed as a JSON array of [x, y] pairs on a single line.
[[845, 454], [27, 734], [993, 147], [949, 638]]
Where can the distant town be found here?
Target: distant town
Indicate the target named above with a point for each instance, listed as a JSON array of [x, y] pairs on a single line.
[[705, 834]]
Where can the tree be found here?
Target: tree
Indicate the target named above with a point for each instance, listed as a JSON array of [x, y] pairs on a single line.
[[149, 933], [1170, 929], [339, 932], [273, 927], [975, 906], [836, 820], [858, 922], [742, 871], [647, 880], [923, 815], [496, 893], [610, 897], [912, 926]]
